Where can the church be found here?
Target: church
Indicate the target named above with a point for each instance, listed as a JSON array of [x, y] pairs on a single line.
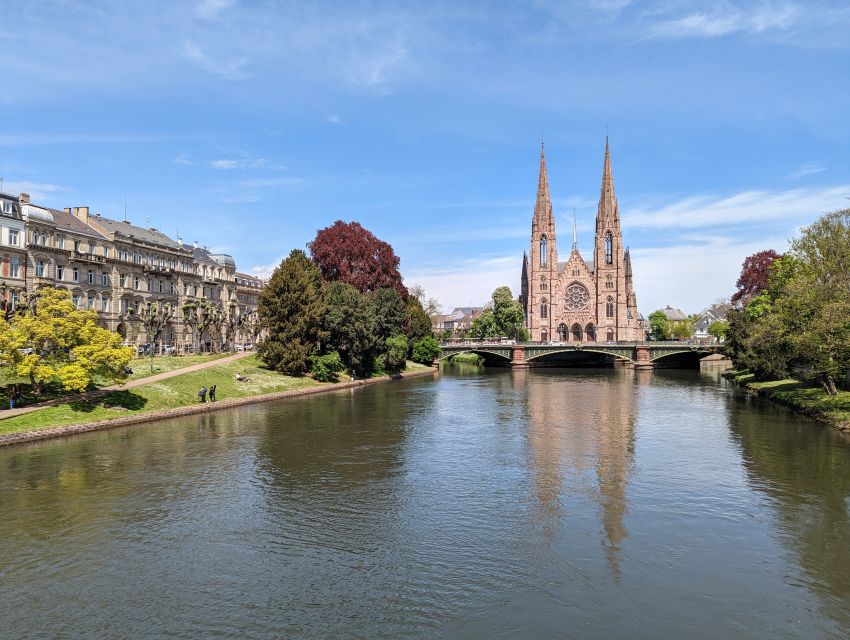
[[574, 301]]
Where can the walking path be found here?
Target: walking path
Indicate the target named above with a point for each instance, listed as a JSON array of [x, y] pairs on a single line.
[[11, 413]]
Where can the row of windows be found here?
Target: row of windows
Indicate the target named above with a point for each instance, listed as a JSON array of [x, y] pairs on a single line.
[[609, 251]]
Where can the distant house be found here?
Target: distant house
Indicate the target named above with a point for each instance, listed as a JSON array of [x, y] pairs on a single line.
[[715, 313], [458, 321], [674, 315]]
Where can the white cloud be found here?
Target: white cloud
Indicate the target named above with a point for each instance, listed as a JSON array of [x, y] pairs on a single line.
[[245, 163], [333, 119], [725, 19], [229, 69], [37, 190], [211, 9], [183, 159], [470, 282], [807, 169], [706, 211]]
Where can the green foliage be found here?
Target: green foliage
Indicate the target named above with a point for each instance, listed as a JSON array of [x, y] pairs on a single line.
[[349, 324], [396, 355], [379, 366], [390, 311], [291, 307], [484, 326], [417, 323], [49, 340], [447, 334], [507, 314], [425, 350], [682, 329], [659, 325], [326, 368], [718, 329]]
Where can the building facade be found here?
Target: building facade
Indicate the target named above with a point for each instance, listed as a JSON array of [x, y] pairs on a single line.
[[115, 268], [576, 301]]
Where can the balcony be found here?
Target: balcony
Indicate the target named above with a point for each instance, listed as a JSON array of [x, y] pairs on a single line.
[[159, 271], [87, 257]]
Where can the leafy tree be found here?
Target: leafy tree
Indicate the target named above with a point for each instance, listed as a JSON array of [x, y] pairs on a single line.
[[447, 334], [718, 329], [425, 350], [291, 308], [389, 310], [234, 321], [659, 325], [326, 368], [252, 326], [346, 252], [49, 340], [754, 276], [200, 316], [396, 353], [484, 326], [154, 318], [349, 323], [417, 323], [682, 329], [507, 314]]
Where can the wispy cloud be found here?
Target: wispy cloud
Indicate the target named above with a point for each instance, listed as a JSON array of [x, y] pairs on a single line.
[[807, 169], [37, 190], [227, 68], [246, 163], [707, 211], [211, 9], [725, 18], [183, 159], [334, 119], [468, 281]]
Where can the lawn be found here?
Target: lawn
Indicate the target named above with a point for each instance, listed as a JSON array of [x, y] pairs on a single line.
[[142, 366], [174, 392]]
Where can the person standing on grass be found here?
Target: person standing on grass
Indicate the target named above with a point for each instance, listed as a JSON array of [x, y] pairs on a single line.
[[202, 394], [212, 393], [14, 396]]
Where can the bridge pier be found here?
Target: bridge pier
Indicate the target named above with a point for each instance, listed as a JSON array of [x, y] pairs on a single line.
[[518, 357], [642, 360]]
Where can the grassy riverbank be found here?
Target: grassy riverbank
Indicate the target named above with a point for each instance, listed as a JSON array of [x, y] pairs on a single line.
[[809, 400], [175, 392]]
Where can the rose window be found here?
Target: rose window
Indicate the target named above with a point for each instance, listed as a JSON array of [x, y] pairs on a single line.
[[577, 297]]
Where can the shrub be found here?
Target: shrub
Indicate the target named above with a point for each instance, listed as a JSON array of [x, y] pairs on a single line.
[[425, 350], [327, 367], [396, 355]]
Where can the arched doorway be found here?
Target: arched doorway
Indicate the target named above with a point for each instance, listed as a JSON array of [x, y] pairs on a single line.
[[590, 332], [562, 332], [577, 333]]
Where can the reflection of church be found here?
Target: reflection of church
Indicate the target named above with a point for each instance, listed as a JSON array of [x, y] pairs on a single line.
[[581, 432], [573, 301]]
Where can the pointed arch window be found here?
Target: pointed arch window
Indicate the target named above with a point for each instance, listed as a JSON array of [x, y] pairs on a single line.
[[609, 307], [543, 245], [609, 249], [544, 309]]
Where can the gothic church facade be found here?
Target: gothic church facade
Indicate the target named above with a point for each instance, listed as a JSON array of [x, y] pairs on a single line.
[[574, 301]]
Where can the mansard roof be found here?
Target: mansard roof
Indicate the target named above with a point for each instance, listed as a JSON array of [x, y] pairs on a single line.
[[128, 230], [69, 222]]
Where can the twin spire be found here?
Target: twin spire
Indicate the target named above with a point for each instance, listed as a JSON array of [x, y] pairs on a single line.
[[543, 206]]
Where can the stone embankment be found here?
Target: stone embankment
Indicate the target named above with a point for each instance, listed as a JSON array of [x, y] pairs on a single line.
[[35, 435]]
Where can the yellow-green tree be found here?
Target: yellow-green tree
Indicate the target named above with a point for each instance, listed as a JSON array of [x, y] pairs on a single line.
[[50, 340]]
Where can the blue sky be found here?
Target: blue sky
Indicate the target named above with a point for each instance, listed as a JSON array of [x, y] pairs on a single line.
[[249, 125]]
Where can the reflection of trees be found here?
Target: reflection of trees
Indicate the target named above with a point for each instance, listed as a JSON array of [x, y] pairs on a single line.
[[578, 421], [806, 470]]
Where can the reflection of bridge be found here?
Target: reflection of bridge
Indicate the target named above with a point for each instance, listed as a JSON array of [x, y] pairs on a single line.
[[640, 355]]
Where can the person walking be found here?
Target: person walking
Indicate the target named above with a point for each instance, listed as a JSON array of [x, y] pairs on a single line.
[[14, 396], [212, 393], [202, 394]]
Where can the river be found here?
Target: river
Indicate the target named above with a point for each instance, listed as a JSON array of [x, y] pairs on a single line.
[[545, 503]]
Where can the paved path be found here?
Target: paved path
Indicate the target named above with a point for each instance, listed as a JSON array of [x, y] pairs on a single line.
[[11, 413]]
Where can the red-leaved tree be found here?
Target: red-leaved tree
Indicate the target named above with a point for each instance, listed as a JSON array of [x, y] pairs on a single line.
[[346, 252], [754, 275]]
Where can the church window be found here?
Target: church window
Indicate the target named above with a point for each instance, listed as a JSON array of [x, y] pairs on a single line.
[[544, 309], [609, 307], [609, 282], [543, 251], [610, 335], [562, 332], [590, 332], [543, 285], [576, 297], [609, 249]]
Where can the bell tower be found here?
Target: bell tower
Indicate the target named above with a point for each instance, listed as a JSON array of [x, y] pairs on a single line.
[[543, 261]]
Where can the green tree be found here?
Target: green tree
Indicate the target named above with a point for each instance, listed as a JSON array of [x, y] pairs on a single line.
[[291, 308], [49, 340], [396, 353], [389, 311], [326, 368], [507, 314], [154, 318], [659, 325], [200, 316], [484, 326], [425, 350], [349, 323], [417, 323], [718, 329]]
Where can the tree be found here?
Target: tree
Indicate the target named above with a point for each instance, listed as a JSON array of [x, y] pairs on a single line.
[[154, 318], [234, 321], [754, 276], [200, 316], [507, 314], [417, 323], [425, 350], [682, 329], [327, 367], [49, 340], [484, 326], [346, 252], [659, 325], [718, 330], [389, 310], [396, 356], [252, 325], [291, 308], [430, 305], [349, 323]]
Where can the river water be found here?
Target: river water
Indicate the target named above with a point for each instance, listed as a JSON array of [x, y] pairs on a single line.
[[507, 504]]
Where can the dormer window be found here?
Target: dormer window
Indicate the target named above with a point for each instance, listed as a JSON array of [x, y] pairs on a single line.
[[7, 207]]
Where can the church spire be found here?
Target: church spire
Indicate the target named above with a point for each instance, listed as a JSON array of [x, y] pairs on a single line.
[[609, 212], [575, 232], [543, 205]]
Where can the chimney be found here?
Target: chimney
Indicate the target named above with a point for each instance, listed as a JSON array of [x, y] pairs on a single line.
[[67, 209], [24, 198], [82, 213]]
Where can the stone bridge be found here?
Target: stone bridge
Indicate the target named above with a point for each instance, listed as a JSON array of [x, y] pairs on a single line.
[[640, 355]]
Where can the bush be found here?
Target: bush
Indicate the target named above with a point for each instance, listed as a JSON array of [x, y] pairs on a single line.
[[425, 350], [396, 355], [327, 367], [379, 366]]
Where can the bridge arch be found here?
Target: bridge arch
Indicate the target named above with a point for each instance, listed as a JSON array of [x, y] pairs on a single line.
[[592, 355], [489, 355], [680, 357]]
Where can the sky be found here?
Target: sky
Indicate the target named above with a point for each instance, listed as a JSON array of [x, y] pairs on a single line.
[[247, 126]]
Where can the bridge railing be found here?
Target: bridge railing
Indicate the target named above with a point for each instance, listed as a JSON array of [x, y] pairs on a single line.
[[492, 342]]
